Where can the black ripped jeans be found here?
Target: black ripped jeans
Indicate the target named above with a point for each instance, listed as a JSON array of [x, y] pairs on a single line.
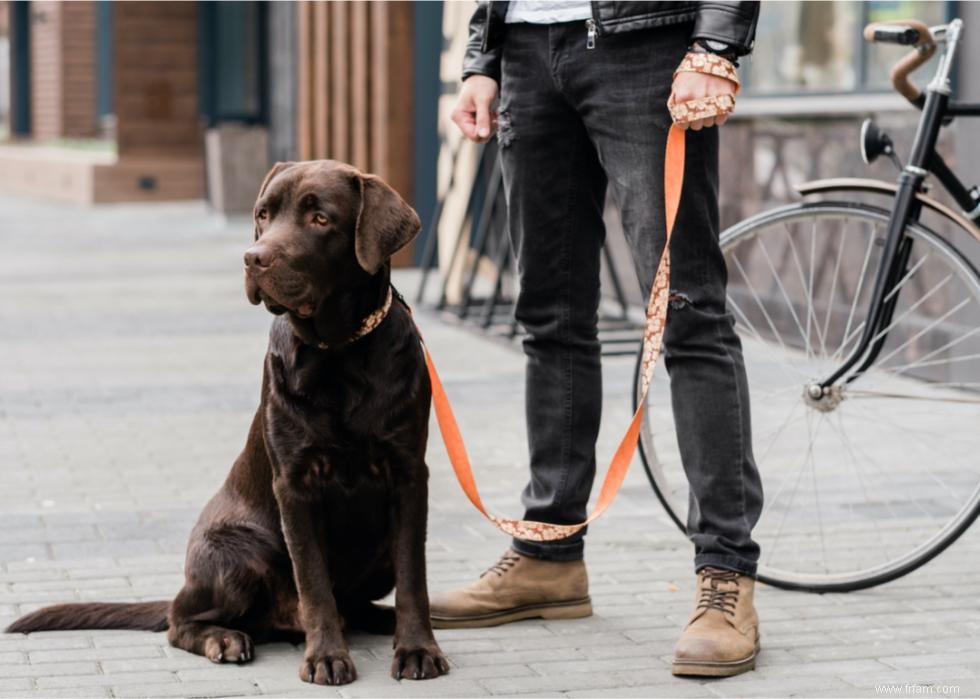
[[573, 121]]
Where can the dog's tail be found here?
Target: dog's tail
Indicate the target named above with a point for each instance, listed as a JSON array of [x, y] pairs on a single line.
[[148, 616]]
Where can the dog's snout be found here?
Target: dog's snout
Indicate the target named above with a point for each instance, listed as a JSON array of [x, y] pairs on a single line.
[[258, 256]]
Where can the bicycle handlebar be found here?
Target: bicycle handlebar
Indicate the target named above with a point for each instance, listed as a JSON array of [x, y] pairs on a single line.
[[906, 32]]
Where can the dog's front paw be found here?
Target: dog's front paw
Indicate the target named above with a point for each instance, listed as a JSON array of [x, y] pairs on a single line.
[[418, 661], [327, 667]]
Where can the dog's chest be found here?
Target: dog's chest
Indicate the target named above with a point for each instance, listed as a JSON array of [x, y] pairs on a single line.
[[324, 440]]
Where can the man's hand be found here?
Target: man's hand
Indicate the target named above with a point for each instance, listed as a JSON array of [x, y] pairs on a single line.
[[474, 113], [691, 86]]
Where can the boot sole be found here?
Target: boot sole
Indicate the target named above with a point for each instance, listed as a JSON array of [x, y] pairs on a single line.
[[573, 609], [716, 669]]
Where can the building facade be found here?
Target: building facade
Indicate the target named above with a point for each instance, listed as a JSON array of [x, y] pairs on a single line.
[[148, 101]]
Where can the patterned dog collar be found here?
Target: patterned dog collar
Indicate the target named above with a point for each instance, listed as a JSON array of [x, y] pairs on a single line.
[[367, 325]]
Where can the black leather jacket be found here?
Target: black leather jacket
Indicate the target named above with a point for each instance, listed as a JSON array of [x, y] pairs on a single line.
[[730, 22]]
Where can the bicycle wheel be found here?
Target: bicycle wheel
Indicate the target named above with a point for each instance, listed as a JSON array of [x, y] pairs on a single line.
[[868, 484]]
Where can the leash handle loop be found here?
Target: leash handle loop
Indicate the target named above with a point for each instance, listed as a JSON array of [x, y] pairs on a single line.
[[712, 105]]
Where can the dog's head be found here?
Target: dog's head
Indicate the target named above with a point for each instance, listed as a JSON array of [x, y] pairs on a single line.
[[321, 226]]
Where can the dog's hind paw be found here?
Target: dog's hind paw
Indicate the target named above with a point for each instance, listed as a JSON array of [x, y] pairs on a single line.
[[421, 662], [229, 647]]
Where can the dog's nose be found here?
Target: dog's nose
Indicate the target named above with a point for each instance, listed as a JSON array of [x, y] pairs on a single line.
[[257, 257]]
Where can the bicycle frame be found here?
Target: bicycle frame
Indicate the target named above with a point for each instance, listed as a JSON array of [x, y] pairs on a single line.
[[937, 109]]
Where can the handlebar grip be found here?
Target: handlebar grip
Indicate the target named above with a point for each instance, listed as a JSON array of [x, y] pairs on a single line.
[[905, 36], [906, 32]]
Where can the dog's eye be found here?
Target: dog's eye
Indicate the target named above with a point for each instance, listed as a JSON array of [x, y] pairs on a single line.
[[262, 214], [320, 220]]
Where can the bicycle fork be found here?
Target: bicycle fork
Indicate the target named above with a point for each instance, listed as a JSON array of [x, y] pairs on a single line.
[[896, 253]]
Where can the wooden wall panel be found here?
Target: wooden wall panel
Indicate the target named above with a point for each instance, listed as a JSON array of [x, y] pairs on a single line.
[[356, 88], [155, 78], [360, 78], [321, 76], [340, 61], [78, 32]]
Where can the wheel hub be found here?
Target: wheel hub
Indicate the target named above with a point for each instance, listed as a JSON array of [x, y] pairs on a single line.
[[823, 399]]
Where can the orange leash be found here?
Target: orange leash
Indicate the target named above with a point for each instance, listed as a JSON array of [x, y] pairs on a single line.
[[652, 340], [656, 322]]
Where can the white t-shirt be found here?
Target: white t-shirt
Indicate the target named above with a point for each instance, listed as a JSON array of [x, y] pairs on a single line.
[[548, 11]]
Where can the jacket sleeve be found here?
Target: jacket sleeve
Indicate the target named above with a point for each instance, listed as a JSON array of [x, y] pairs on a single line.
[[476, 60], [730, 22]]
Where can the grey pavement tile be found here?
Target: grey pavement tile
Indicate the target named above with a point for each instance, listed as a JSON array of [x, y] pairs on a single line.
[[495, 669], [43, 641], [70, 584], [569, 682], [677, 688], [822, 668], [18, 684], [27, 553], [212, 688], [62, 564], [49, 534], [632, 663], [845, 650], [510, 657], [11, 658], [444, 686], [631, 650], [31, 575], [117, 680], [451, 646], [130, 639], [120, 548], [101, 654], [60, 693], [50, 670], [174, 663], [919, 660], [755, 684], [306, 690]]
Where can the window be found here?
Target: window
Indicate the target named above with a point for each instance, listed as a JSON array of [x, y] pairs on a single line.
[[816, 46], [233, 54]]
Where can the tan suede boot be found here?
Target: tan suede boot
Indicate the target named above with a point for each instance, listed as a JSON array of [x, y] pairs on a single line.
[[722, 636], [516, 587]]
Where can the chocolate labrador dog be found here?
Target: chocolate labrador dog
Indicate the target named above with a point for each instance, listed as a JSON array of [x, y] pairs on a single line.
[[325, 509]]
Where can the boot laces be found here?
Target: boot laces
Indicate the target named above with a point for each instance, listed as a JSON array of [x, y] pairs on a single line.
[[715, 597], [506, 562]]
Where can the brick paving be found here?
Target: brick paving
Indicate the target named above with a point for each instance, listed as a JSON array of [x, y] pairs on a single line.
[[129, 371]]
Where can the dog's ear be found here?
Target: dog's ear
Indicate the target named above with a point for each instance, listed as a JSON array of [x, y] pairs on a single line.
[[271, 175], [385, 224]]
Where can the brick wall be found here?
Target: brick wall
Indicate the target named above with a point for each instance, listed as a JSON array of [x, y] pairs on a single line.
[[46, 70], [63, 69]]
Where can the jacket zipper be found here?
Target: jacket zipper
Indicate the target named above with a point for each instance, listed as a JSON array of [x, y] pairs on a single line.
[[590, 36]]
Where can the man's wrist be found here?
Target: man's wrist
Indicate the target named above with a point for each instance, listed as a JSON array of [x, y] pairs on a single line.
[[719, 48]]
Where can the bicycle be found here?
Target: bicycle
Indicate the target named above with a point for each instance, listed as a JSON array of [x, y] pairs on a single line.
[[860, 328]]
